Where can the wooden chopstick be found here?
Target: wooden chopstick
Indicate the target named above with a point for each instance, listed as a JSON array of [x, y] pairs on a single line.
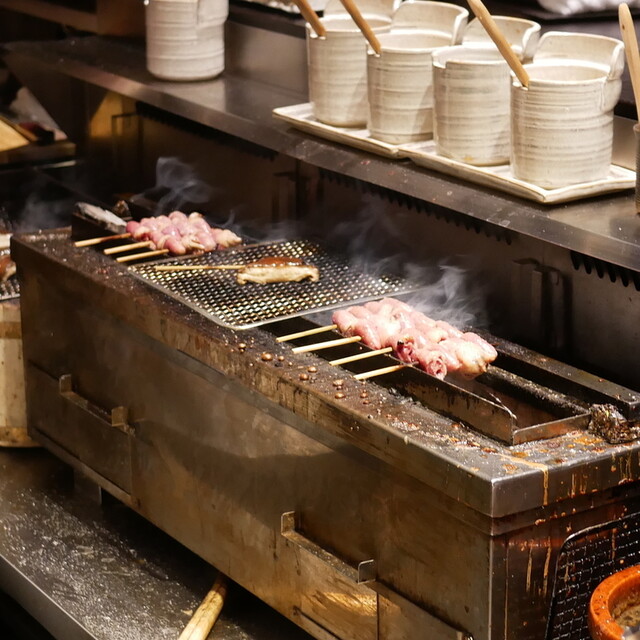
[[144, 254], [329, 344], [482, 13], [199, 627], [379, 372], [308, 332], [363, 25], [360, 356], [311, 17], [630, 40], [122, 248], [197, 267], [91, 241]]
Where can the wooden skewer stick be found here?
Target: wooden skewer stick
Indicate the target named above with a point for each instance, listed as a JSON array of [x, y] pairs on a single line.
[[481, 12], [308, 332], [199, 627], [379, 372], [144, 254], [91, 241], [360, 356], [326, 345], [363, 25], [127, 247], [197, 267], [631, 50], [311, 17]]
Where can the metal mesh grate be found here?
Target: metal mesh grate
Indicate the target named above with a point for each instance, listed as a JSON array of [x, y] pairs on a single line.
[[11, 288], [586, 559], [217, 295]]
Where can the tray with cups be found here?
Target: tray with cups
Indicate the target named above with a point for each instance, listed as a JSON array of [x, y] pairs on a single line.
[[439, 92]]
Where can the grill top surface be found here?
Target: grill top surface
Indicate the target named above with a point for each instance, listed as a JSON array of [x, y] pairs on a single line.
[[218, 296]]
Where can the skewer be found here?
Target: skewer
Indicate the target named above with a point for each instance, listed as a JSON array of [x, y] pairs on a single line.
[[308, 332], [196, 267], [127, 247], [144, 254], [326, 345], [360, 356], [207, 613], [482, 13], [91, 241], [311, 17], [379, 372]]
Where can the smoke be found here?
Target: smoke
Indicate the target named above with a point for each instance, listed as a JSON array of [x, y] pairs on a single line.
[[376, 243], [178, 186]]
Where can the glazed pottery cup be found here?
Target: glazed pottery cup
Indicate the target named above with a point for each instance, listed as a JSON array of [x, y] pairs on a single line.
[[185, 38], [562, 124], [471, 112], [400, 84], [436, 17], [337, 66]]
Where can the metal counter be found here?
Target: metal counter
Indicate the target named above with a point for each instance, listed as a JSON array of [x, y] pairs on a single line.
[[87, 571], [240, 105]]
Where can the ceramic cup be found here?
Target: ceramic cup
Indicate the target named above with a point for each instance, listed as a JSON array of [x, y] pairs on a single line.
[[471, 112], [185, 38], [338, 70], [523, 35], [562, 124], [400, 86]]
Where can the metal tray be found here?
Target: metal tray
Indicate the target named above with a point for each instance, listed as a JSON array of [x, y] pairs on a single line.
[[218, 296]]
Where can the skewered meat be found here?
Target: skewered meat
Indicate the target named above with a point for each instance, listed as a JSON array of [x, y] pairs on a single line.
[[277, 269], [7, 268], [182, 234], [435, 346]]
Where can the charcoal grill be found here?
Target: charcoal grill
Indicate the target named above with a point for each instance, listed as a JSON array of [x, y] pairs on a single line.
[[358, 510]]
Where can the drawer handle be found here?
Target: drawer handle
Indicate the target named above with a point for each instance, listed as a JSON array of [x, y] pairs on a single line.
[[365, 571], [117, 417]]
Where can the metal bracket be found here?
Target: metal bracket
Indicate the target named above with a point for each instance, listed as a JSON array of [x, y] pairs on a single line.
[[365, 572]]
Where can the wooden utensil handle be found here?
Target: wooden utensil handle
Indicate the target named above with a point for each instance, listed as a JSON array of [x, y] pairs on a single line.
[[311, 17], [481, 12], [630, 40], [207, 613], [363, 25]]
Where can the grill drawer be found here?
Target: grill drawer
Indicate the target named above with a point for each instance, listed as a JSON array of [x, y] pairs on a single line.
[[96, 438]]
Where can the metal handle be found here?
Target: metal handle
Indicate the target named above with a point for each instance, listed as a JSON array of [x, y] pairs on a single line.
[[365, 571], [116, 417]]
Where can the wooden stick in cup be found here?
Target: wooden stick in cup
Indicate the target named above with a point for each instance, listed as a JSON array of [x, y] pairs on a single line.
[[481, 12], [311, 17], [631, 50], [207, 613], [363, 25]]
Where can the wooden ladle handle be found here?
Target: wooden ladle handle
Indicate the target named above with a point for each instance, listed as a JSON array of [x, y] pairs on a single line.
[[482, 13], [631, 50], [363, 25], [311, 17]]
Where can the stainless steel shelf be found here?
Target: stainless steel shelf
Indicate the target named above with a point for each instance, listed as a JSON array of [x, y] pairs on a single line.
[[102, 572], [605, 228]]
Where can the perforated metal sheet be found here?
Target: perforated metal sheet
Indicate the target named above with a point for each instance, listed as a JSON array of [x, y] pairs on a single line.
[[217, 295], [11, 288], [585, 559]]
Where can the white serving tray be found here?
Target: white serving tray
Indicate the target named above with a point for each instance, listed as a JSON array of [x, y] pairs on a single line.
[[500, 177], [424, 154], [301, 117]]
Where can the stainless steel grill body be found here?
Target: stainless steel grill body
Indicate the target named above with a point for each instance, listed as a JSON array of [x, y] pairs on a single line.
[[356, 517], [217, 295]]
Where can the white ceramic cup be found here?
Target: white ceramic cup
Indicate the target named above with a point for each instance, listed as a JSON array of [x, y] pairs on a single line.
[[337, 66], [185, 38], [562, 124], [400, 86], [471, 111], [522, 35]]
